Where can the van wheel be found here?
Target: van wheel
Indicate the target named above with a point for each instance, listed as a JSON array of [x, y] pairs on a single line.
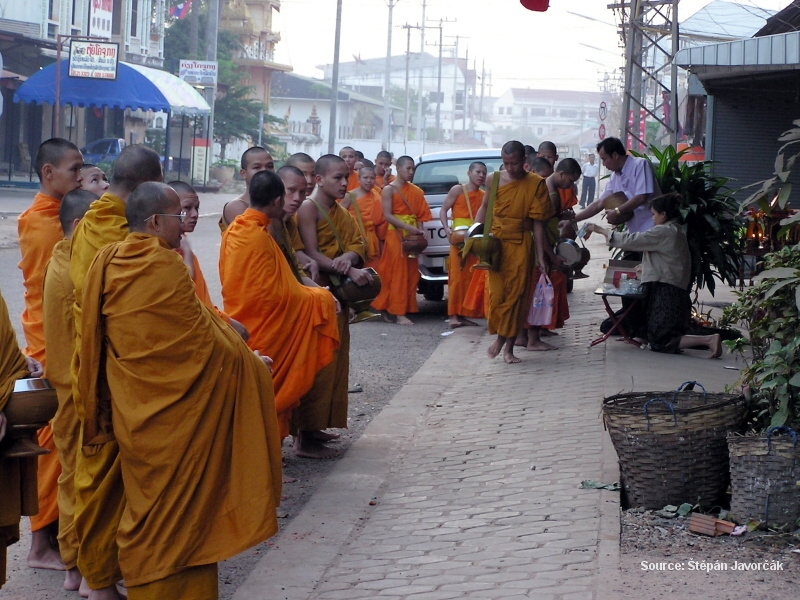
[[434, 292]]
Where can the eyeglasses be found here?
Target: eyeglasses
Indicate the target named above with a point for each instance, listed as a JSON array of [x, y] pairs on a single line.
[[181, 215]]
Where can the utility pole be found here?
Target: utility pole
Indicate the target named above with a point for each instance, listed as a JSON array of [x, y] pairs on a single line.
[[439, 97], [387, 82], [335, 79], [406, 116], [420, 121], [466, 87], [212, 32]]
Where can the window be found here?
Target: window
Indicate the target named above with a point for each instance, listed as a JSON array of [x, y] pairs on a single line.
[[115, 17], [500, 111], [567, 113], [134, 17], [525, 112], [538, 112], [510, 109]]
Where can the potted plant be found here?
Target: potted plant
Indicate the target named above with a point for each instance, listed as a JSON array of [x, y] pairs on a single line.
[[223, 170]]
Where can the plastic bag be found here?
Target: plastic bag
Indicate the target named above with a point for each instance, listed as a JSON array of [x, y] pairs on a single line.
[[541, 311]]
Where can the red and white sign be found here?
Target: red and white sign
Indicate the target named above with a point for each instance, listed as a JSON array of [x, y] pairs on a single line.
[[93, 60], [601, 131], [100, 12]]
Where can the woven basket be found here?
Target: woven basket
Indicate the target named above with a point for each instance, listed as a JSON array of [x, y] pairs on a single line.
[[671, 445], [765, 476]]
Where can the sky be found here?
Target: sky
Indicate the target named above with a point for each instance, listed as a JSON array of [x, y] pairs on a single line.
[[569, 47]]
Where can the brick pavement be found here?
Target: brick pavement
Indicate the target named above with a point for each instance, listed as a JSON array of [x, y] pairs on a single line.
[[466, 485]]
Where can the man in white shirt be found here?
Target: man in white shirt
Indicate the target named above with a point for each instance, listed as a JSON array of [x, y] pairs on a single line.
[[589, 171]]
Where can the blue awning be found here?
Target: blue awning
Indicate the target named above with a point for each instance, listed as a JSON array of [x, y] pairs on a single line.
[[135, 87]]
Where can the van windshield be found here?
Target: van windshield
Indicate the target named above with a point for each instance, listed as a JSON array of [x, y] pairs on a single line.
[[437, 177]]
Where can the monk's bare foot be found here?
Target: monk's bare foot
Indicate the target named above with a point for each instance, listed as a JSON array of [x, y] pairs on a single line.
[[322, 436], [509, 357], [521, 339], [455, 321], [84, 589], [716, 346], [107, 593], [548, 333], [465, 321], [494, 349], [72, 580], [306, 447], [42, 555], [389, 318], [403, 320], [539, 346]]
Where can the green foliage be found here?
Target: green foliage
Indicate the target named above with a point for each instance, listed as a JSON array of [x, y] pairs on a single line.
[[714, 223], [770, 311], [155, 139]]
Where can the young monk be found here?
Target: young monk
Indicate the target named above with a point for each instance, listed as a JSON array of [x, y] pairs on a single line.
[[464, 200], [253, 160], [365, 207], [59, 337], [305, 163], [194, 412], [284, 230], [383, 169], [58, 165], [349, 156], [331, 237], [521, 198], [94, 179], [405, 209], [99, 492], [294, 324]]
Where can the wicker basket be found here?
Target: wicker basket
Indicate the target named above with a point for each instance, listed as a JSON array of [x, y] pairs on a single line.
[[671, 445], [765, 476]]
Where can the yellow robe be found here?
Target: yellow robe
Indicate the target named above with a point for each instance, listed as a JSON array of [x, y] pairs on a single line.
[[325, 404], [17, 475], [526, 198], [460, 272], [39, 231], [292, 324], [192, 410], [400, 272], [99, 495], [59, 337]]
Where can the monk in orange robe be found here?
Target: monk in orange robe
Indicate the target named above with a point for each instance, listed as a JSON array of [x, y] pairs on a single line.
[[303, 162], [331, 237], [521, 203], [294, 324], [59, 336], [364, 205], [383, 169], [99, 494], [18, 475], [464, 201], [190, 406], [284, 230], [405, 209], [254, 160], [349, 156], [58, 165]]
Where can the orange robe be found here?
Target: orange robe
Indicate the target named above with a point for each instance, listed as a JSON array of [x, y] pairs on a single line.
[[39, 231], [17, 475], [99, 493], [368, 214], [292, 324], [381, 181], [460, 271], [567, 198], [476, 299], [508, 286], [192, 410], [401, 273], [325, 404], [59, 337], [352, 181]]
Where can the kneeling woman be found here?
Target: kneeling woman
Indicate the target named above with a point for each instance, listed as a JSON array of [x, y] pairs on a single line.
[[666, 275]]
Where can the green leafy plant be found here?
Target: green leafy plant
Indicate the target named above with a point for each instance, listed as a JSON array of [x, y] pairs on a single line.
[[714, 223], [770, 312], [226, 162]]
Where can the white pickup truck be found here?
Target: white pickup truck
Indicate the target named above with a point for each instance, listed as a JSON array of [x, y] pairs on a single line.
[[435, 174]]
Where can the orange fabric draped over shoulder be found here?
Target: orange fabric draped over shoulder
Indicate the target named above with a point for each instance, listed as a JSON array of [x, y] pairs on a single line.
[[370, 212], [39, 231], [192, 411], [99, 493], [516, 201], [381, 181], [201, 288], [292, 324], [399, 272], [18, 475], [352, 181], [59, 337], [567, 198], [460, 270]]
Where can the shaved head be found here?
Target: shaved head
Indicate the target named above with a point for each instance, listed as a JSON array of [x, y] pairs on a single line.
[[299, 158], [51, 152], [403, 160], [135, 165], [514, 148], [73, 206], [147, 199], [326, 162], [570, 166]]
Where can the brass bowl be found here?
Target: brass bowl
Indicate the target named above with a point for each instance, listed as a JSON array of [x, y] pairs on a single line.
[[31, 406]]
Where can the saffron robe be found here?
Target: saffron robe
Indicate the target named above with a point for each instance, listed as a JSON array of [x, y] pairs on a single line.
[[460, 270], [192, 410], [325, 404], [368, 214], [59, 337], [525, 198], [352, 181], [99, 494], [18, 475], [39, 231], [381, 181], [293, 324], [400, 272]]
